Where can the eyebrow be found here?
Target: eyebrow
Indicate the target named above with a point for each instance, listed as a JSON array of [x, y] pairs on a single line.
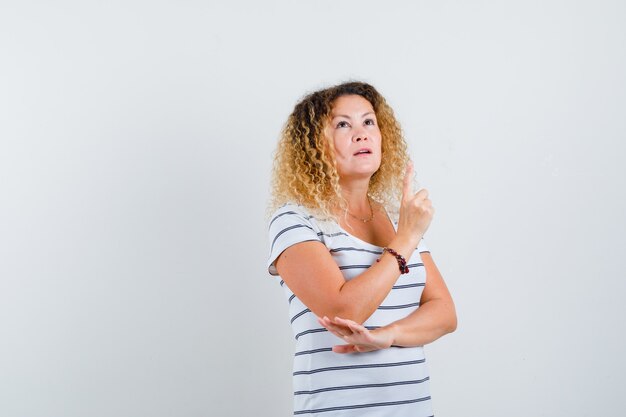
[[348, 117]]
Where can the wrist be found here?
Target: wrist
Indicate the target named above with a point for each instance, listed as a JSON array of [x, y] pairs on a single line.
[[386, 334], [405, 245], [402, 265]]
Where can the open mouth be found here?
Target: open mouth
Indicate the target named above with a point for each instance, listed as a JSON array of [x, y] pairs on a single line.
[[363, 151]]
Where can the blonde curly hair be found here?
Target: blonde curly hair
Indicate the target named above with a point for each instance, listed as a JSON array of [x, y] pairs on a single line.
[[304, 169]]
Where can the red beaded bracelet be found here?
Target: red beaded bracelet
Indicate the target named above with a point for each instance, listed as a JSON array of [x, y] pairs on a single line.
[[404, 269]]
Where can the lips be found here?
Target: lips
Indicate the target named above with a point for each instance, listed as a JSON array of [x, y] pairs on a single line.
[[363, 151]]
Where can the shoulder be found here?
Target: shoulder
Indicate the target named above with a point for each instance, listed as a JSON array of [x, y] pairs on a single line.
[[290, 212], [288, 225], [293, 220]]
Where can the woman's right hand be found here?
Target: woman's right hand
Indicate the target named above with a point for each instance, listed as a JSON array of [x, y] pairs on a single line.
[[416, 211]]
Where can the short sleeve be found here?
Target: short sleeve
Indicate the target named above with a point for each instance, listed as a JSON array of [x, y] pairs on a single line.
[[289, 225], [421, 246]]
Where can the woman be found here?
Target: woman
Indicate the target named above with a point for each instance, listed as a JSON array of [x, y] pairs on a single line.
[[346, 240]]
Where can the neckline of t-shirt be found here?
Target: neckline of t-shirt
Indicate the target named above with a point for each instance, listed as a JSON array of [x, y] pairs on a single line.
[[395, 229]]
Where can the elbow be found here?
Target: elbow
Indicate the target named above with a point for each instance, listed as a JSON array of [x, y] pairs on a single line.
[[447, 322], [350, 313], [349, 308], [451, 322], [344, 311], [446, 327]]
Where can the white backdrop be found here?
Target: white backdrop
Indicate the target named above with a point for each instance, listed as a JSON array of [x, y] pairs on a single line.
[[136, 146]]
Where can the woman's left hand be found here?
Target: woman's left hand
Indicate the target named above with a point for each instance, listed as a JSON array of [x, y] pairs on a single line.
[[357, 337]]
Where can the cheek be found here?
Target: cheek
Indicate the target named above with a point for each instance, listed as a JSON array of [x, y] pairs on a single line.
[[340, 145]]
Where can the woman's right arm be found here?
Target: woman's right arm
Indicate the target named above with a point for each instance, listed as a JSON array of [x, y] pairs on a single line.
[[310, 272]]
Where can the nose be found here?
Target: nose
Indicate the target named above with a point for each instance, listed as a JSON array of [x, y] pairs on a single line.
[[359, 136]]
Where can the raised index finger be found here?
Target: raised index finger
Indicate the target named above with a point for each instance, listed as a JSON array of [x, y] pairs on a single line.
[[407, 187]]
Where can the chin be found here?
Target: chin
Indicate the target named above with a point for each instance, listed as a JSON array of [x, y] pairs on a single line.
[[357, 175]]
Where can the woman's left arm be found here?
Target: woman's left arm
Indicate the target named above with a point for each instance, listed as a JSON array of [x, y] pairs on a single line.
[[435, 317]]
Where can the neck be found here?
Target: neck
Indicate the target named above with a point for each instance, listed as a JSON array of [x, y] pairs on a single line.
[[355, 194]]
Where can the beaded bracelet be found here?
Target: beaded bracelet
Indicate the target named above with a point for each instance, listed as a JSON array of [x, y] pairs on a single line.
[[404, 269]]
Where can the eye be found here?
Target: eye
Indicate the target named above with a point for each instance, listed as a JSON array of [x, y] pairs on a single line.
[[342, 123], [370, 122]]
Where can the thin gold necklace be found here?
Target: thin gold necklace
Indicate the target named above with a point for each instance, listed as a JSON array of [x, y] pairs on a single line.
[[366, 220]]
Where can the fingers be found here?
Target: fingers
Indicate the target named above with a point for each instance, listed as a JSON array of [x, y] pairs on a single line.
[[422, 194], [337, 329], [353, 348], [346, 322], [353, 326], [420, 202], [357, 337], [347, 330], [407, 187], [337, 321], [407, 183], [345, 349], [362, 348]]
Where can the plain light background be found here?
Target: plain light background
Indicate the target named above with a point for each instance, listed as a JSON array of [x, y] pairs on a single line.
[[136, 147]]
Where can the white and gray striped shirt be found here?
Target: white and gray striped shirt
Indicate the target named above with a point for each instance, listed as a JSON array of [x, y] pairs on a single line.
[[389, 382]]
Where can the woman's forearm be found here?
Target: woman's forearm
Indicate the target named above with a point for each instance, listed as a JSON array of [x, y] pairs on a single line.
[[428, 323], [362, 295], [320, 285]]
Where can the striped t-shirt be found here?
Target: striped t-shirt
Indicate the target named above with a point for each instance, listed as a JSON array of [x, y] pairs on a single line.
[[389, 382]]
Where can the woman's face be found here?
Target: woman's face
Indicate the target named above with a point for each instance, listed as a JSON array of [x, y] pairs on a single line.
[[354, 131]]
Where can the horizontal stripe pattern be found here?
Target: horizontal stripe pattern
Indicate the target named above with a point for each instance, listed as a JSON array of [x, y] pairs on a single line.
[[348, 387], [388, 382], [312, 351], [306, 310], [344, 267], [400, 287], [396, 307], [286, 213], [376, 252], [357, 406], [287, 229], [310, 331], [371, 365]]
